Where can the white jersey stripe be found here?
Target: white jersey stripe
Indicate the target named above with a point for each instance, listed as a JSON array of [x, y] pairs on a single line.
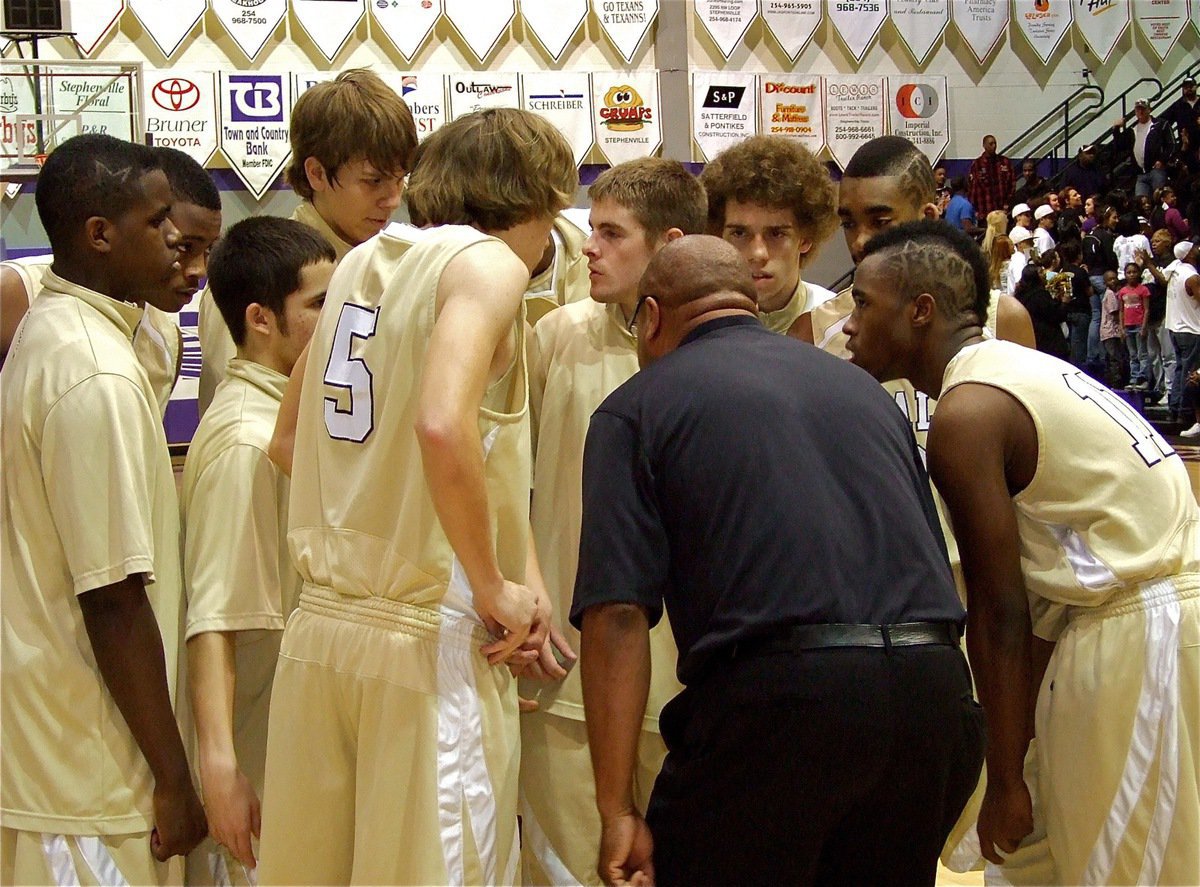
[[99, 859], [60, 861]]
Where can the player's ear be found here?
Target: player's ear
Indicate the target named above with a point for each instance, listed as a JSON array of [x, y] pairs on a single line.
[[260, 319], [315, 172], [931, 212], [924, 307], [98, 233], [672, 234]]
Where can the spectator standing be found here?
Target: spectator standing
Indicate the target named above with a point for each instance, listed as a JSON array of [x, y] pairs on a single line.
[[960, 211], [1150, 145], [997, 224], [1091, 214], [1173, 219], [1129, 241], [1022, 241], [999, 258], [1079, 309], [1135, 298], [1030, 185], [941, 188], [1158, 345], [1043, 238], [1046, 312], [1112, 334], [990, 181], [1084, 174], [1184, 115], [1183, 324]]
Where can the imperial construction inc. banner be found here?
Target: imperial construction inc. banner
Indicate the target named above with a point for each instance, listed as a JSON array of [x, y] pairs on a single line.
[[919, 112]]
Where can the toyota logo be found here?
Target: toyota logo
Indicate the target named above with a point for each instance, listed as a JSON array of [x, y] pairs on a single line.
[[176, 94]]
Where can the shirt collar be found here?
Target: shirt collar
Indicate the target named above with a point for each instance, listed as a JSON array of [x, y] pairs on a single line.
[[781, 321], [268, 380], [720, 323], [124, 315], [307, 213], [617, 318]]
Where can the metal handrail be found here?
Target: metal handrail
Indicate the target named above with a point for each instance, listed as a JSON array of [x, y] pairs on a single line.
[[1060, 137]]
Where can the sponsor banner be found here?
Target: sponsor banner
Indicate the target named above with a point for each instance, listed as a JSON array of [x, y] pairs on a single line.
[[625, 22], [858, 22], [1161, 22], [480, 24], [16, 137], [1101, 22], [790, 106], [1195, 4], [407, 23], [920, 23], [919, 112], [792, 22], [628, 123], [855, 113], [328, 23], [482, 89], [1044, 23], [723, 110], [168, 21], [181, 111], [91, 20], [303, 81], [565, 99], [254, 126], [981, 24], [250, 22], [554, 22], [726, 21], [102, 100], [425, 95]]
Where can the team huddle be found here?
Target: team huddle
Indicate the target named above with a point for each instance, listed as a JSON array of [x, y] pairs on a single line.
[[433, 602]]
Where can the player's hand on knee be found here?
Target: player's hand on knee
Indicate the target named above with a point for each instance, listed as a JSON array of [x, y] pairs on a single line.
[[508, 614], [179, 821], [1005, 818], [549, 666], [626, 850], [234, 812]]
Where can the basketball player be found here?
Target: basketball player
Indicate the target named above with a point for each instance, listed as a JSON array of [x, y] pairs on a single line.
[[268, 278], [94, 782], [580, 354], [158, 342], [352, 140], [773, 200], [409, 524], [1092, 550]]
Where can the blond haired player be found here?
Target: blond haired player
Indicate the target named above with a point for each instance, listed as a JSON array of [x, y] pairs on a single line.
[[580, 354], [352, 140], [158, 342], [392, 754], [773, 201], [268, 277], [94, 782], [1092, 550]]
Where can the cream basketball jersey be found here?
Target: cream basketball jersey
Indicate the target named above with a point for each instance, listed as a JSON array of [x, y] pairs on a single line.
[[1110, 504], [566, 279], [362, 521]]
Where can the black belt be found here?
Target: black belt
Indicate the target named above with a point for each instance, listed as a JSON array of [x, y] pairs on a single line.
[[823, 636]]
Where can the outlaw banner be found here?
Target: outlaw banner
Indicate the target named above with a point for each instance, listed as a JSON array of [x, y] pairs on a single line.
[[919, 112], [855, 113], [791, 22], [565, 99], [554, 22], [626, 22], [328, 25], [168, 21], [406, 23], [91, 20], [480, 24], [857, 23], [920, 23], [482, 89], [726, 21], [425, 95], [790, 106], [181, 111], [1044, 24], [1102, 22], [627, 118], [1161, 22], [723, 110], [250, 26], [254, 135], [981, 24]]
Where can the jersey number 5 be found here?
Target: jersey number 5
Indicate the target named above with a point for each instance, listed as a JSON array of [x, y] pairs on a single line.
[[356, 421]]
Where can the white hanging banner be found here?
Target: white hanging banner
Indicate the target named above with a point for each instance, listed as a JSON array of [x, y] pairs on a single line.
[[855, 113], [723, 110], [480, 24], [1195, 5], [250, 26], [107, 96], [482, 89], [91, 20], [981, 24], [565, 99], [790, 106], [1102, 22], [628, 124], [1044, 23], [554, 22], [625, 22], [726, 21], [254, 133], [168, 21], [858, 22], [407, 23], [303, 81], [16, 98], [425, 95], [181, 111], [792, 22], [329, 23], [1161, 22], [919, 112], [920, 23]]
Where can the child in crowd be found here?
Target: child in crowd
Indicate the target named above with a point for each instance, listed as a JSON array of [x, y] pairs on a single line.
[[1112, 334], [1135, 299]]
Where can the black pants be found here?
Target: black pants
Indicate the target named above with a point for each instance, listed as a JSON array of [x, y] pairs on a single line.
[[844, 766]]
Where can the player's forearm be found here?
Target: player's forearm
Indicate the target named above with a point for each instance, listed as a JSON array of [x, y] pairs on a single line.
[[999, 642], [615, 663], [129, 655], [283, 441], [213, 679]]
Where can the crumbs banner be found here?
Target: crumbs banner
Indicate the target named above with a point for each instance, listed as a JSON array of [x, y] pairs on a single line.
[[628, 124]]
